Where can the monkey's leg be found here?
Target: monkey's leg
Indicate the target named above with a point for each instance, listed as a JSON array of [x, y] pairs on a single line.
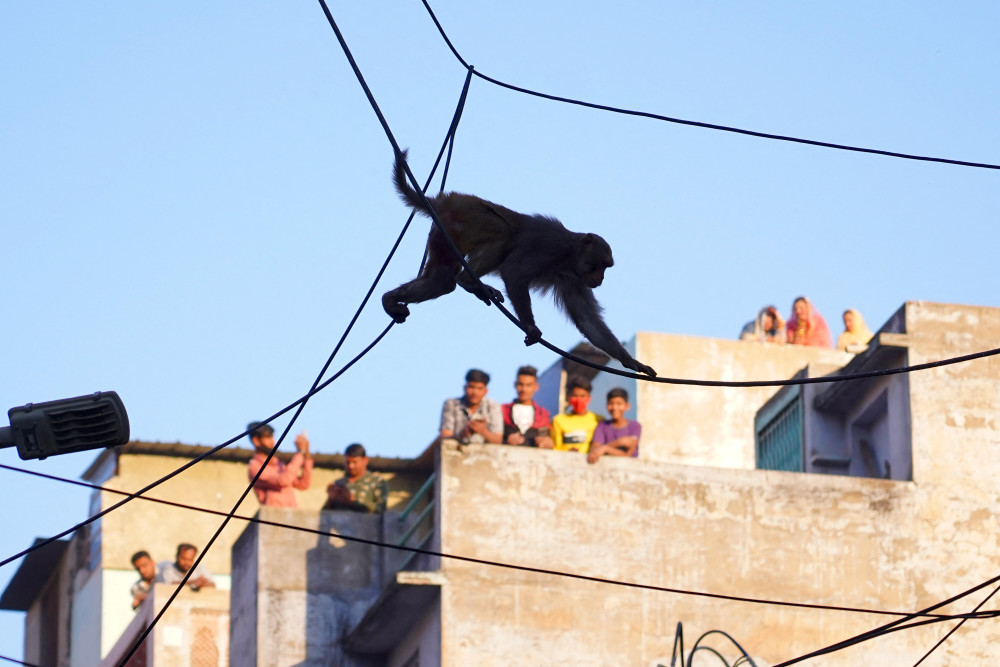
[[436, 281], [519, 293], [478, 289]]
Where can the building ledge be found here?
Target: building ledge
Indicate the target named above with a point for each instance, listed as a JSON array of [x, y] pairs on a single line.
[[35, 571], [395, 612], [885, 351]]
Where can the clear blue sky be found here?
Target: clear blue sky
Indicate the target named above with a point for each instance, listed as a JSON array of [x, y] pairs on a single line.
[[195, 196]]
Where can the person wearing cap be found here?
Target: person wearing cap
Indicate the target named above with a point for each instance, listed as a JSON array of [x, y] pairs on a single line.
[[358, 490]]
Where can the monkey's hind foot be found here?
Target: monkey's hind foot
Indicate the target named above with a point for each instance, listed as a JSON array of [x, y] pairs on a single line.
[[532, 335], [488, 294], [394, 309]]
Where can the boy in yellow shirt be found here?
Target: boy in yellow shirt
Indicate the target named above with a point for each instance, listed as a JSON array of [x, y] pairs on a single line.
[[573, 430]]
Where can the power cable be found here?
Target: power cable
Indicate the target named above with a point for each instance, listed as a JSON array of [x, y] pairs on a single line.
[[955, 629], [18, 662], [898, 624], [195, 460], [558, 573], [693, 123], [614, 371], [449, 141], [774, 383]]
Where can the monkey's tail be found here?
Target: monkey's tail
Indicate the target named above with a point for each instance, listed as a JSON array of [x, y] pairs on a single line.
[[409, 196]]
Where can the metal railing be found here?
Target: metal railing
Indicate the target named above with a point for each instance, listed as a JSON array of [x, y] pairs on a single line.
[[425, 492]]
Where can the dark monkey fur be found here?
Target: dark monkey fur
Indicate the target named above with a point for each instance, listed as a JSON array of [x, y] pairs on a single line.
[[526, 251]]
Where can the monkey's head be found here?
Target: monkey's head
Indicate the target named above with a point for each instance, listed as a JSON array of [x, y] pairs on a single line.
[[592, 259]]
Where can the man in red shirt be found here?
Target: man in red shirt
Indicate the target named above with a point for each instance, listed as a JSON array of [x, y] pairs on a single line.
[[274, 487], [524, 421]]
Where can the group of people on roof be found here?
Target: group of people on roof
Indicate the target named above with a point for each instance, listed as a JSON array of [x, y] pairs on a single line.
[[805, 326], [475, 418]]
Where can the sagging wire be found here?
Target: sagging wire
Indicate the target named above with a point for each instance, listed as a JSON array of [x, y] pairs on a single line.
[[933, 618], [449, 141], [449, 138], [700, 124], [904, 623], [955, 629], [566, 355]]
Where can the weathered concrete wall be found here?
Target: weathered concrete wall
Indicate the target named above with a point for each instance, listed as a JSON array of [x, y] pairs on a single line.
[[711, 426], [193, 631], [831, 540], [210, 484], [956, 459], [296, 593]]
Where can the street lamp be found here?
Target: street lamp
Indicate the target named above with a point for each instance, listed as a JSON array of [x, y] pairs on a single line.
[[69, 425]]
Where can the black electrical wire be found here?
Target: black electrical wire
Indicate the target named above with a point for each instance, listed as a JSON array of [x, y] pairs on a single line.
[[449, 141], [18, 662], [614, 371], [195, 460], [898, 624], [775, 383], [693, 123], [954, 629], [936, 618]]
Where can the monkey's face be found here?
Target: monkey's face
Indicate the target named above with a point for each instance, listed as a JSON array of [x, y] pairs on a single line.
[[593, 259], [594, 277]]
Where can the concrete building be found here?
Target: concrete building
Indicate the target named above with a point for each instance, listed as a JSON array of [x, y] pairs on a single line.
[[76, 592], [697, 517], [752, 511]]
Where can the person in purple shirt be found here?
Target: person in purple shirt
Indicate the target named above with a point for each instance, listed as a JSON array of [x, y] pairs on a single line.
[[616, 436]]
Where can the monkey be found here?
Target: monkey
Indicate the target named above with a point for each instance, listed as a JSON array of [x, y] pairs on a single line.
[[526, 251]]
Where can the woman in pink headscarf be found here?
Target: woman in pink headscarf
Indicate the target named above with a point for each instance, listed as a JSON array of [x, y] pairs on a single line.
[[806, 326]]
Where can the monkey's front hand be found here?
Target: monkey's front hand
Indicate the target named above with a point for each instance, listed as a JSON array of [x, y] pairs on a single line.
[[532, 334], [640, 367]]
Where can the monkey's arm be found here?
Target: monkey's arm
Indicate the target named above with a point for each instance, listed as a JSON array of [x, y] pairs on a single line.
[[585, 312]]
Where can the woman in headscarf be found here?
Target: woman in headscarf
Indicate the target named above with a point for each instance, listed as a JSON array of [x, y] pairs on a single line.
[[806, 326], [856, 333], [767, 328]]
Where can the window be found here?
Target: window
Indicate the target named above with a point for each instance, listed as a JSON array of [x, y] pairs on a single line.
[[778, 429]]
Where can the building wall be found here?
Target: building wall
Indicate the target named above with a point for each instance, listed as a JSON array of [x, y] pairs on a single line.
[[691, 516], [710, 426], [214, 485], [295, 594], [85, 634], [776, 536], [158, 528], [193, 632]]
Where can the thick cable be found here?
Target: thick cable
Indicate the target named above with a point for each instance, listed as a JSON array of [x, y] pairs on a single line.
[[187, 575], [775, 383], [614, 371], [18, 662], [449, 137], [898, 624], [197, 459], [694, 123], [449, 140], [954, 629], [558, 573]]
